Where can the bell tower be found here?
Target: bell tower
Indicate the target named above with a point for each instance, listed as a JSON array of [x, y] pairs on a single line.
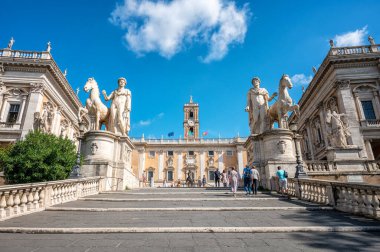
[[191, 120]]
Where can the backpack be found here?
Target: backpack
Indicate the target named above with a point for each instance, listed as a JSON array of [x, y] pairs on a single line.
[[247, 173], [286, 174]]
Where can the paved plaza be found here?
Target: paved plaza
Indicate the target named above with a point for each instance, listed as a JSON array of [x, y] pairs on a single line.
[[183, 219]]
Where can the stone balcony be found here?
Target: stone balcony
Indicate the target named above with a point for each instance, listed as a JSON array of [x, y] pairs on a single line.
[[370, 123], [24, 54]]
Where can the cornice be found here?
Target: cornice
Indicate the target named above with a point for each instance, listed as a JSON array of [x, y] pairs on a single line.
[[42, 66]]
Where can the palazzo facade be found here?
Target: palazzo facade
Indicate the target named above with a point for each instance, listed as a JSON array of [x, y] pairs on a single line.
[[340, 112], [173, 159], [34, 93]]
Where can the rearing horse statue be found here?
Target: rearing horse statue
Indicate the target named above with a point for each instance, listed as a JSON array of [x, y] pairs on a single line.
[[94, 106], [279, 110]]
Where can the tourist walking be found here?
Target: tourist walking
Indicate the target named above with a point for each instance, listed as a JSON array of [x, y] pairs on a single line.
[[204, 181], [224, 178], [282, 179], [247, 180], [234, 181], [256, 178], [217, 178]]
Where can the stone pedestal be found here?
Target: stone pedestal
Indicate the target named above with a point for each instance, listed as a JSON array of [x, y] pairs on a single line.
[[109, 155], [269, 150]]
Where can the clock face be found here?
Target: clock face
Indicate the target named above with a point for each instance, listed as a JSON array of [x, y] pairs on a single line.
[[190, 122]]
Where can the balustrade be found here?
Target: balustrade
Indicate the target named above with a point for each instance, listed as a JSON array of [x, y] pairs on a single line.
[[361, 199], [20, 199]]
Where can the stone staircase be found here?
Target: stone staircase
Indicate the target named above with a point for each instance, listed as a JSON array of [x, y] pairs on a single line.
[[184, 219]]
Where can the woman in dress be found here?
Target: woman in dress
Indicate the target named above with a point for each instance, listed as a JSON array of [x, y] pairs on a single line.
[[234, 180]]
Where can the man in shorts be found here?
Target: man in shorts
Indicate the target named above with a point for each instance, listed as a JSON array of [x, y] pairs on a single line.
[[282, 180]]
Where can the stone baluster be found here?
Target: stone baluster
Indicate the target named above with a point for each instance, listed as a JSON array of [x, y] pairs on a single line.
[[355, 200], [361, 201], [376, 204], [29, 205], [36, 198], [42, 197], [10, 204], [368, 208], [3, 205], [17, 202], [24, 200]]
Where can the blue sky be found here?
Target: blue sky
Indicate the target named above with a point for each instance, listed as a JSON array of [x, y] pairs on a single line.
[[174, 49]]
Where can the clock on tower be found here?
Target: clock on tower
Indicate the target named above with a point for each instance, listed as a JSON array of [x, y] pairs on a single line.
[[191, 120]]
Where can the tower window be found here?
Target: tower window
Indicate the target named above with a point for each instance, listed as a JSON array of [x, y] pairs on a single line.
[[369, 112], [13, 113], [191, 114]]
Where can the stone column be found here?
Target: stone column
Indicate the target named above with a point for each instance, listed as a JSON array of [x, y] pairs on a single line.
[[309, 142], [34, 105], [358, 107], [220, 161], [55, 129], [322, 118], [377, 102], [2, 90], [179, 164], [22, 109], [141, 166], [4, 105], [346, 104], [240, 161], [369, 149], [160, 165], [202, 163]]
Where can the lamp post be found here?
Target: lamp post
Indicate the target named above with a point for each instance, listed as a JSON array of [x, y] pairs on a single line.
[[300, 173], [75, 173]]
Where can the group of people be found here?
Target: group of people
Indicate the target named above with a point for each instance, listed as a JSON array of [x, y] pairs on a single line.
[[251, 179]]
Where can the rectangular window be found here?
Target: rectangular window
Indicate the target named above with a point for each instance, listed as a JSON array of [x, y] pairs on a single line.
[[152, 154], [191, 153], [170, 175], [170, 153], [369, 112], [211, 175], [229, 153], [210, 153], [13, 113], [191, 114]]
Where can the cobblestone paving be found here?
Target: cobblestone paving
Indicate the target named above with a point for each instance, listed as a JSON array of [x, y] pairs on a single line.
[[296, 241]]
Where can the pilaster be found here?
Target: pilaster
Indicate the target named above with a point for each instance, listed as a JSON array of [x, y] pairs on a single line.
[[346, 104], [34, 105], [179, 165], [202, 163], [141, 165], [160, 165]]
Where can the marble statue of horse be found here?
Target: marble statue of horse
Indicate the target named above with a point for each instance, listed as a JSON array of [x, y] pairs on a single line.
[[279, 110], [94, 106]]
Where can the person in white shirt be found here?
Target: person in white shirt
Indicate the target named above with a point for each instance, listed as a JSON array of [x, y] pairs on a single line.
[[256, 178]]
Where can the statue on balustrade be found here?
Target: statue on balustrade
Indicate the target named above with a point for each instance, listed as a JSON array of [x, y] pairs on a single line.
[[338, 131], [278, 112], [257, 107], [121, 97]]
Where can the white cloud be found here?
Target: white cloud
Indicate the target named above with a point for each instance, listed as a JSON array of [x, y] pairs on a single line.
[[352, 38], [301, 79], [148, 122], [167, 27]]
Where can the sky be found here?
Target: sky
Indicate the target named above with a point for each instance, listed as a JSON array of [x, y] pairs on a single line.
[[169, 50]]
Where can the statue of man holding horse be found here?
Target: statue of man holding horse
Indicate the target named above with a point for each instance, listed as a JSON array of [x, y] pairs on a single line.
[[257, 106], [119, 120]]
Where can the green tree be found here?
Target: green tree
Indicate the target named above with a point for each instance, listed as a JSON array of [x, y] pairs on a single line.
[[39, 157]]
